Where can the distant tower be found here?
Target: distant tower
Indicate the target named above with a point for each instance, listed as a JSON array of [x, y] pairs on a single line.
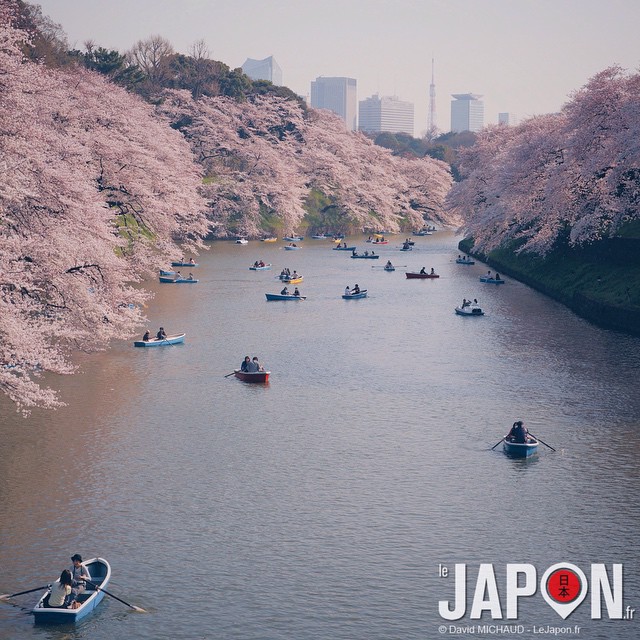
[[431, 124]]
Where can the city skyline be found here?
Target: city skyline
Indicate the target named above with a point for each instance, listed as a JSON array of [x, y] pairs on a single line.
[[524, 56]]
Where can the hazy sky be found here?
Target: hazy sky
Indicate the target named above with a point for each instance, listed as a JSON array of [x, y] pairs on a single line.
[[523, 56]]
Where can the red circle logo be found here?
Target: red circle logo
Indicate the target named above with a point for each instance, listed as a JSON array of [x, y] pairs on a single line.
[[564, 585]]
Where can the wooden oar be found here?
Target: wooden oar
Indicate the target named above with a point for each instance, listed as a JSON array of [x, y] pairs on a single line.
[[544, 443], [20, 593], [99, 588], [229, 374], [497, 443]]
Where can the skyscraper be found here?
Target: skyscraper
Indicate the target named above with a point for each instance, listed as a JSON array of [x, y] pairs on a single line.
[[337, 95], [467, 112], [507, 118], [267, 69], [388, 113]]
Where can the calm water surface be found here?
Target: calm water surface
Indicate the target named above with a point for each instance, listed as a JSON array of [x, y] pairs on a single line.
[[321, 505]]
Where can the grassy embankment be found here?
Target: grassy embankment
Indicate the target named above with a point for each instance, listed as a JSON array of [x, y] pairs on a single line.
[[600, 282]]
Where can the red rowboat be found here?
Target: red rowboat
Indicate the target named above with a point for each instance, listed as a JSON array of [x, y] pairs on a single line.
[[410, 275], [257, 376]]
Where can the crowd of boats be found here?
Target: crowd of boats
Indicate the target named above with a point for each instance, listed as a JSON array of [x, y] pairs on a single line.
[[518, 442]]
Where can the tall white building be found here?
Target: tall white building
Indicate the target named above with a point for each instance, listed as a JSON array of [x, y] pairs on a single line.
[[338, 95], [508, 119], [467, 112], [387, 113], [267, 69]]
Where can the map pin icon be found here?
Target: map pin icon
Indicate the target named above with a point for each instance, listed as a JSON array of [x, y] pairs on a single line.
[[564, 586]]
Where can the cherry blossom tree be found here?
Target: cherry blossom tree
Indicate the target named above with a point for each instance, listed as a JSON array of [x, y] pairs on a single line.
[[268, 154], [570, 177], [96, 190]]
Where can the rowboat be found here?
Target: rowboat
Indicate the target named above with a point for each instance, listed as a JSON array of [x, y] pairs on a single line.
[[293, 238], [377, 241], [353, 296], [467, 310], [364, 256], [406, 248], [280, 296], [320, 236], [291, 247], [295, 280], [184, 264], [242, 241], [343, 248], [520, 449], [465, 261], [413, 275], [269, 240], [255, 376], [490, 280], [160, 342], [167, 273], [175, 280], [387, 268], [262, 268], [100, 573]]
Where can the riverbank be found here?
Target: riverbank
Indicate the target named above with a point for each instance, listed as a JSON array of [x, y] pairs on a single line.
[[600, 283]]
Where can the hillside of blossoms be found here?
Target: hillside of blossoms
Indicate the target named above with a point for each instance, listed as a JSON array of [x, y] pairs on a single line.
[[568, 178], [99, 187]]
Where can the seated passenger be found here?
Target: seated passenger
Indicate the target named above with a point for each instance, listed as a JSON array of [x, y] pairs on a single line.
[[245, 364], [423, 271], [58, 598], [284, 292]]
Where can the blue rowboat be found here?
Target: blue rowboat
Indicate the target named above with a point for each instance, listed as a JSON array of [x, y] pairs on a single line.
[[184, 264], [354, 296], [343, 248], [489, 280], [168, 273], [290, 247], [174, 280], [320, 236], [279, 296], [520, 449], [465, 261], [469, 311], [364, 257], [263, 268], [100, 573], [293, 238], [155, 342]]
